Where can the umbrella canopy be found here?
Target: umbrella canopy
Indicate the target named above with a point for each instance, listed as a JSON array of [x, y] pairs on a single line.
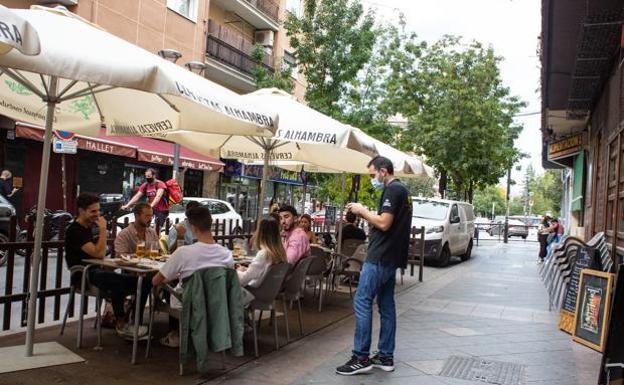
[[303, 135], [17, 33], [104, 79], [84, 76]]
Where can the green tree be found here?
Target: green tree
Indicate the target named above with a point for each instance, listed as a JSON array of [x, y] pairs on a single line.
[[423, 187], [547, 191], [264, 78], [332, 41], [460, 114], [485, 197]]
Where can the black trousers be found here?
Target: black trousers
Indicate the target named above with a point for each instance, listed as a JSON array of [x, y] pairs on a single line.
[[117, 286], [543, 241]]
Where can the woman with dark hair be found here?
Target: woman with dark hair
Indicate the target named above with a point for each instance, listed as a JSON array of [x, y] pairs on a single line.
[[268, 241], [542, 237], [305, 222]]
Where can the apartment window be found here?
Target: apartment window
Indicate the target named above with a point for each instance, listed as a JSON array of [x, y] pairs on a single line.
[[186, 8], [291, 62]]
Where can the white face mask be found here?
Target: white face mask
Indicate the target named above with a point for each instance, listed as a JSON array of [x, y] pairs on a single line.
[[377, 185]]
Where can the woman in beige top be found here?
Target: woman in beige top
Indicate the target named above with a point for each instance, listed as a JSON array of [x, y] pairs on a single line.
[[268, 241]]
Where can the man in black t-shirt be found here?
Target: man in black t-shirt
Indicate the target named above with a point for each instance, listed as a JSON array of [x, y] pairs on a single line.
[[81, 244], [387, 251]]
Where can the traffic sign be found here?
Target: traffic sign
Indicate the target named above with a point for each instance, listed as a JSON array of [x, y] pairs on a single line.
[[64, 135], [65, 146]]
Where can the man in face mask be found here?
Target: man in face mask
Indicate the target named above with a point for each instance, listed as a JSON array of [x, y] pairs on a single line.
[[387, 250], [154, 189]]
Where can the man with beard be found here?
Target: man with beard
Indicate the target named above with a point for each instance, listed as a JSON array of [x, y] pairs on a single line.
[[294, 238], [81, 244], [137, 232]]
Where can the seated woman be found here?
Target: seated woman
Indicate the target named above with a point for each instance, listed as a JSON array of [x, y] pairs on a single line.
[[268, 241], [305, 222]]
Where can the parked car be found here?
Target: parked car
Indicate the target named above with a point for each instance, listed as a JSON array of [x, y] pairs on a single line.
[[482, 223], [516, 228], [318, 217], [449, 228], [220, 211]]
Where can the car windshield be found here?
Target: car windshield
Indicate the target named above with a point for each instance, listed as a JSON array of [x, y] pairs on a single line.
[[429, 209], [180, 207]]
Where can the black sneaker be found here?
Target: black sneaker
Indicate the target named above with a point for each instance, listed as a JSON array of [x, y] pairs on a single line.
[[384, 363], [355, 366]]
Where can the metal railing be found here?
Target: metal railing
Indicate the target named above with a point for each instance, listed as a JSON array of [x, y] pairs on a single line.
[[268, 7], [54, 275], [231, 48]]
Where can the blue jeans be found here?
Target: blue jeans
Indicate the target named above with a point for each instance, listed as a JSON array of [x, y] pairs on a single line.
[[376, 280]]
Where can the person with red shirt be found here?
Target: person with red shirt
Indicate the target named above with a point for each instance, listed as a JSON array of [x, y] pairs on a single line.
[[155, 190]]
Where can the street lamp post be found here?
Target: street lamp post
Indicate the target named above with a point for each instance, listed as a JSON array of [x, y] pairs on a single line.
[[506, 229]]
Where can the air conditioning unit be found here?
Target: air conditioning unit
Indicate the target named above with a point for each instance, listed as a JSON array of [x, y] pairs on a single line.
[[264, 38]]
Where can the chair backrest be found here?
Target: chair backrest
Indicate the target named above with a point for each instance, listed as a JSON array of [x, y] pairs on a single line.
[[318, 265], [271, 284], [316, 251], [360, 252], [350, 246], [294, 282]]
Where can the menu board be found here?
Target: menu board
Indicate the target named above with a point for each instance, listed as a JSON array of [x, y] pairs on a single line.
[[592, 311], [330, 215], [585, 259]]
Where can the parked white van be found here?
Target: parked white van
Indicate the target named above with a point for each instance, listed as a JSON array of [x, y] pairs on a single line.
[[449, 228]]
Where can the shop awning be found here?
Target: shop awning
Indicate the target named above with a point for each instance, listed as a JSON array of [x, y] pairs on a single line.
[[140, 148]]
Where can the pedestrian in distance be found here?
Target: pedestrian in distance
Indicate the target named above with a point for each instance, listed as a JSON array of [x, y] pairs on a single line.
[[6, 184], [155, 190], [387, 251], [542, 235]]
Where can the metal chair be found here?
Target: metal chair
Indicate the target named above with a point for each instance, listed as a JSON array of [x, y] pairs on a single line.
[[86, 290], [349, 246], [351, 267], [317, 273], [264, 299], [292, 291]]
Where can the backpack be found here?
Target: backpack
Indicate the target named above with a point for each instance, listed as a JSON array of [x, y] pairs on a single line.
[[174, 192]]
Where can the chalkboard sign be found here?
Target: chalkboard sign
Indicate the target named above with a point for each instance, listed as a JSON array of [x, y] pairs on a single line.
[[614, 341], [585, 259], [330, 215], [592, 308]]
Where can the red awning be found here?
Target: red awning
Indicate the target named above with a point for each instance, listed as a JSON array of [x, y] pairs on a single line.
[[140, 148]]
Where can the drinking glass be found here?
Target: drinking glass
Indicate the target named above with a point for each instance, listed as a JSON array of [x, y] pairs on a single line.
[[140, 250]]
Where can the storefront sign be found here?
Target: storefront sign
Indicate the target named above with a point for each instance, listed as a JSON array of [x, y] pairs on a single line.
[[592, 310], [234, 168], [565, 147], [61, 146], [194, 164]]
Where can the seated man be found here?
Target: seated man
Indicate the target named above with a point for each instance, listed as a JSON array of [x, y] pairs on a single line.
[[188, 259], [181, 231], [294, 238], [350, 230], [81, 244], [137, 231]]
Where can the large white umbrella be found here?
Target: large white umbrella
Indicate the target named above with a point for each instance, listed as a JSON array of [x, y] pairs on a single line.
[[303, 136], [84, 76], [17, 33]]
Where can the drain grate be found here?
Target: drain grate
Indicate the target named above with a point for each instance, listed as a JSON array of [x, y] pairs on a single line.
[[490, 372]]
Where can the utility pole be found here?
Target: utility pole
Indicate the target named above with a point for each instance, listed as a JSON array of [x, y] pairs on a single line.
[[506, 237]]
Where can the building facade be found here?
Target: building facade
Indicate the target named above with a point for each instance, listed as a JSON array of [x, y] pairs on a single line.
[[582, 51], [219, 33]]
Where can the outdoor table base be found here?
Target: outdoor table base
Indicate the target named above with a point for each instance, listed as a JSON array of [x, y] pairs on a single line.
[[140, 272]]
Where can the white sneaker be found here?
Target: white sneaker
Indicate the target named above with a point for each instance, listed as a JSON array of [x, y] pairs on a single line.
[[127, 331], [171, 340]]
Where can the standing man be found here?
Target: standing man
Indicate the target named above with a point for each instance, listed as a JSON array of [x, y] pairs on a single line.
[[137, 231], [387, 251], [155, 190], [294, 238]]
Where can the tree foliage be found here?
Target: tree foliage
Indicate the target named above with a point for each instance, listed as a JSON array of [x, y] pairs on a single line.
[[332, 41], [264, 78], [486, 197], [460, 114]]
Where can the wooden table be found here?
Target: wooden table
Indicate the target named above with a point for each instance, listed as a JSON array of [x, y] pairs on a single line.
[[140, 271]]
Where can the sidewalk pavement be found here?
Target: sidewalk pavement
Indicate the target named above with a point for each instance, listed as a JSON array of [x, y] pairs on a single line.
[[492, 309]]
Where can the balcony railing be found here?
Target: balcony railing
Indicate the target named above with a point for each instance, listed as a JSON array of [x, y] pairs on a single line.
[[268, 7], [233, 49]]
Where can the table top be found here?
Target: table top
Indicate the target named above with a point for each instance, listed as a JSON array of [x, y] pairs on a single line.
[[144, 265]]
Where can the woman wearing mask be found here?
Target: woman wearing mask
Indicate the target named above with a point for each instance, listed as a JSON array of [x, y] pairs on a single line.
[[542, 235], [305, 222]]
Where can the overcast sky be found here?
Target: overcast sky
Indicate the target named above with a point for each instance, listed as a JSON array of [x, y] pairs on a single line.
[[512, 27]]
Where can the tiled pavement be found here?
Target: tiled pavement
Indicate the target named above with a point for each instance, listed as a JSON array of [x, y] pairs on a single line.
[[492, 307]]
